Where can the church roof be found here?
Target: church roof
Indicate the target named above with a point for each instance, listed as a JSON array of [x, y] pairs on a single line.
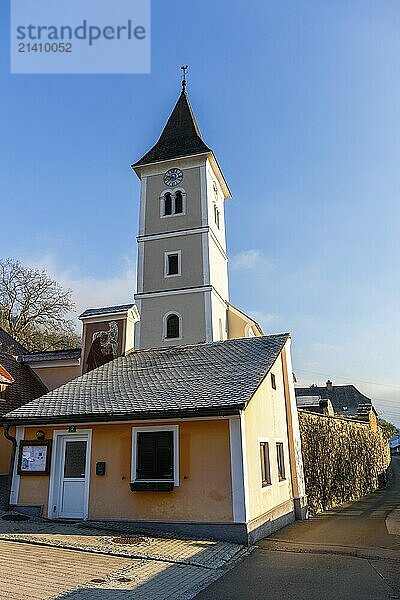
[[217, 378], [106, 310], [180, 137]]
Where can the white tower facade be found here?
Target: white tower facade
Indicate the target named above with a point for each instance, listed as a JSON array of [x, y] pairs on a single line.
[[182, 278]]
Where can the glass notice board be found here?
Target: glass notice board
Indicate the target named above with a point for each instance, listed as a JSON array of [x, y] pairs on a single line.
[[34, 457]]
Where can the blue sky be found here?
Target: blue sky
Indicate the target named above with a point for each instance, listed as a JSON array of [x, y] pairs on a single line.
[[300, 101]]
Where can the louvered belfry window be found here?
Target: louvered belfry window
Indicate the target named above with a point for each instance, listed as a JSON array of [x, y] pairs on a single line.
[[168, 204], [155, 455], [178, 203]]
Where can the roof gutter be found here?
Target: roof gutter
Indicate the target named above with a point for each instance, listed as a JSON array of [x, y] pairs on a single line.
[[226, 411]]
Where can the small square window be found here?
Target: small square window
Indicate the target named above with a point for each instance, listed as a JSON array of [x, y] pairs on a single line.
[[273, 381], [172, 264], [280, 457], [265, 464]]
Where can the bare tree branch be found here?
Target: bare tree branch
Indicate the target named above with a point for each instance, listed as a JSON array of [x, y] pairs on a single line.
[[35, 309]]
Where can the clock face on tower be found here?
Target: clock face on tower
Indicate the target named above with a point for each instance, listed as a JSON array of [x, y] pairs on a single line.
[[173, 177]]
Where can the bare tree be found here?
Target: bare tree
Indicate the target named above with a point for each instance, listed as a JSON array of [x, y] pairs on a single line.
[[35, 309]]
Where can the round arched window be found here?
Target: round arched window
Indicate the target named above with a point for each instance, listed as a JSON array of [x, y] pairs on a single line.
[[172, 329]]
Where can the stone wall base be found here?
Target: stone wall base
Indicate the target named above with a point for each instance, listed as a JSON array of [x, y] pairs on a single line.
[[239, 533]]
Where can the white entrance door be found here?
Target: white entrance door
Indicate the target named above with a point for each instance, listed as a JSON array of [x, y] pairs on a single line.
[[73, 476]]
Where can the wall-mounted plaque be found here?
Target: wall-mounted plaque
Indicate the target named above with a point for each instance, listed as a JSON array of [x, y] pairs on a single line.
[[34, 457]]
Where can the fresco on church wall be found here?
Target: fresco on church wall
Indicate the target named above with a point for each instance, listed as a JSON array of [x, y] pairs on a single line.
[[103, 343]]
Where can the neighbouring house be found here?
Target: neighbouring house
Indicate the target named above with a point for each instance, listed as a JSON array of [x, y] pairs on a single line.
[[345, 400], [394, 444], [184, 415], [315, 404], [18, 385], [53, 367]]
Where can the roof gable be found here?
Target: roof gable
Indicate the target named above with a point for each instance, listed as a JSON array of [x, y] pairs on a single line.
[[195, 380]]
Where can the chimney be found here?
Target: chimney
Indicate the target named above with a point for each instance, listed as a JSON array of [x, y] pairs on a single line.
[[329, 385], [323, 403]]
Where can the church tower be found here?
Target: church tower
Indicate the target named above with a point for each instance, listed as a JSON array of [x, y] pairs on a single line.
[[182, 278]]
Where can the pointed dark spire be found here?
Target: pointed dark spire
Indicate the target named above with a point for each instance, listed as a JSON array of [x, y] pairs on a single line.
[[180, 137]]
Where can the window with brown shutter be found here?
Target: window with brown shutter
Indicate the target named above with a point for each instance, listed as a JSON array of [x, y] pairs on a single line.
[[155, 455]]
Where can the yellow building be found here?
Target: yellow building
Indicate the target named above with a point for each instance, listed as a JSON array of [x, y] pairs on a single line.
[[201, 439]]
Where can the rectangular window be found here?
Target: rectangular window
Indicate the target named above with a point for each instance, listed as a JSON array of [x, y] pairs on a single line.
[[280, 457], [75, 459], [265, 464], [172, 264], [155, 455], [273, 381]]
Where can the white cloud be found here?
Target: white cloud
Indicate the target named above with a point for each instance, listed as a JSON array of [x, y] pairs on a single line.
[[89, 291], [267, 320], [250, 260]]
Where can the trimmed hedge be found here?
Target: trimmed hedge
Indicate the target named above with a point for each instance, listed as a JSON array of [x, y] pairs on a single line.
[[343, 460]]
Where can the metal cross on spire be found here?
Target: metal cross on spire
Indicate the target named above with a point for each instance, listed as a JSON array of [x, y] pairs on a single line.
[[184, 69]]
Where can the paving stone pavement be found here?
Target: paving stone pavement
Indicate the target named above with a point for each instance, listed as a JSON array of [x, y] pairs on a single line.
[[208, 554], [152, 568], [37, 573], [147, 579]]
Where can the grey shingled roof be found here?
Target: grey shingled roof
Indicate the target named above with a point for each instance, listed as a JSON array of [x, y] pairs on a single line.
[[346, 399], [196, 380], [69, 354], [106, 310], [180, 137]]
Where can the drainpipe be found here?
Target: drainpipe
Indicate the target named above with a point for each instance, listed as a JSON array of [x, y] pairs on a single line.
[[11, 439]]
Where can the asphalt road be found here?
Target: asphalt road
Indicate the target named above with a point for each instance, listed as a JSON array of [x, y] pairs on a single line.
[[345, 554]]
